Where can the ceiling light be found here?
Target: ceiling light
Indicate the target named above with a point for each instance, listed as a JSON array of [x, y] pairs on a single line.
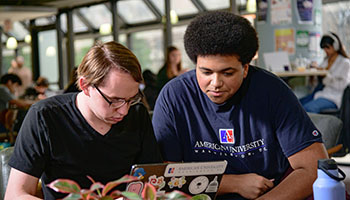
[[173, 17], [105, 29], [28, 39], [50, 51], [11, 43], [251, 6]]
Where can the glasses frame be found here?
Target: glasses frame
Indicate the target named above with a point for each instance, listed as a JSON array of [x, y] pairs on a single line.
[[123, 101]]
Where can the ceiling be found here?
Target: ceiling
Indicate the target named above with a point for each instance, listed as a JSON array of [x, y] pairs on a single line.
[[18, 10]]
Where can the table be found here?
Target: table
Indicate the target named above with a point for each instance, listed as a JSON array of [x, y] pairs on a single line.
[[307, 72]]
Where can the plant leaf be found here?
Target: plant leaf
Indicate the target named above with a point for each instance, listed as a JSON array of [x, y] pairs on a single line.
[[176, 194], [149, 192], [65, 186], [112, 184], [201, 197], [96, 186], [73, 196], [91, 179], [106, 198], [131, 195]]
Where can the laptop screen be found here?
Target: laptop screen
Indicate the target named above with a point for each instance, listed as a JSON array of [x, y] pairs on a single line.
[[191, 178]]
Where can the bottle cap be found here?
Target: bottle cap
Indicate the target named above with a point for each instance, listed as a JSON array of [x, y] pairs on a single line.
[[327, 164]]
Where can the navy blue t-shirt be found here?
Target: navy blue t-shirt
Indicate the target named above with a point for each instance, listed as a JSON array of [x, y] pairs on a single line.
[[256, 130]]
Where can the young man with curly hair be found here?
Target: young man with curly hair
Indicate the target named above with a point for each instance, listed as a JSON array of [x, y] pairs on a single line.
[[226, 109]]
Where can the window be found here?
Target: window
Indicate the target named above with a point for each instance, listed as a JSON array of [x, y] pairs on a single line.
[[97, 15], [148, 48], [48, 57], [181, 7], [178, 41], [135, 11], [216, 4]]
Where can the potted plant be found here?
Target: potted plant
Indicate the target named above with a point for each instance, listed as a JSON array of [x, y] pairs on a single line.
[[98, 191]]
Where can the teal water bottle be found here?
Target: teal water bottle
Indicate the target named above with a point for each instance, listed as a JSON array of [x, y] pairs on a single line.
[[329, 185]]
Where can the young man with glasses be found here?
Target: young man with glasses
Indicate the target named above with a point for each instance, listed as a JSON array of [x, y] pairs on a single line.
[[100, 132]]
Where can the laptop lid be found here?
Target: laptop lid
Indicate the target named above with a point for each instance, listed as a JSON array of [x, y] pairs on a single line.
[[192, 178]]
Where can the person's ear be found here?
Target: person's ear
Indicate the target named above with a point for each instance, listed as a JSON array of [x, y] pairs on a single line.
[[245, 70], [84, 86]]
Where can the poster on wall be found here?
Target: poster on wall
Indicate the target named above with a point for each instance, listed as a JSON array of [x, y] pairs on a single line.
[[284, 40], [262, 10], [281, 12], [302, 38], [304, 11], [314, 44]]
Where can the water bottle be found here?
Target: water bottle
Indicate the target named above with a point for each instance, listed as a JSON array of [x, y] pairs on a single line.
[[328, 185]]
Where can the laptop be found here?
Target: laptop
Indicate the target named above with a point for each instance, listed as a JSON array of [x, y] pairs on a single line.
[[192, 178]]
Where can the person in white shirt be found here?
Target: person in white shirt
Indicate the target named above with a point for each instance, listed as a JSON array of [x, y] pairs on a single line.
[[24, 73], [337, 63]]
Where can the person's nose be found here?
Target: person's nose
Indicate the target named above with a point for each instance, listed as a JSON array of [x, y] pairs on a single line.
[[216, 80], [124, 109]]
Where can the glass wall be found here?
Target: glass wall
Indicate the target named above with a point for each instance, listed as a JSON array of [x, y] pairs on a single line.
[[148, 48], [81, 47], [7, 56], [48, 57], [178, 41], [336, 18]]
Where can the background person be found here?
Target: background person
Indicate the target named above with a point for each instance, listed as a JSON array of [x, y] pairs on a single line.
[[9, 84], [171, 68], [226, 109], [72, 86], [38, 92], [150, 90], [101, 131], [328, 95], [24, 73]]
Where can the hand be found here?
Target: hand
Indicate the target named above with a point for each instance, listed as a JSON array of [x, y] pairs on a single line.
[[251, 186]]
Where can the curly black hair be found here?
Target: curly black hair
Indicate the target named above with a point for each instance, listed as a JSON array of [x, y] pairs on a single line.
[[221, 33]]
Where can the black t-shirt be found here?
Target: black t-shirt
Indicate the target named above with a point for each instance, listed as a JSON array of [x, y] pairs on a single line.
[[55, 141]]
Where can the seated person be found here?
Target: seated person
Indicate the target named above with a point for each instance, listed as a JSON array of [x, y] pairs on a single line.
[[171, 68], [328, 95], [38, 92], [226, 109], [150, 91], [72, 86], [101, 131], [9, 84]]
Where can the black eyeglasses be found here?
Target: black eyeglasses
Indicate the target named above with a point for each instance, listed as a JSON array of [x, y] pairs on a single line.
[[117, 103]]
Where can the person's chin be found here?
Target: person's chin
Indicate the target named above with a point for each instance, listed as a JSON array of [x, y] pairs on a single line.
[[114, 120], [217, 99]]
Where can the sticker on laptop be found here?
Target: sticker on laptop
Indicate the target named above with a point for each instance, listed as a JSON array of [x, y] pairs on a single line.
[[198, 185], [177, 182], [157, 182]]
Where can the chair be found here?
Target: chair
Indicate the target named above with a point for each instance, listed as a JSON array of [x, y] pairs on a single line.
[[5, 155], [330, 128], [8, 120], [343, 113], [5, 169]]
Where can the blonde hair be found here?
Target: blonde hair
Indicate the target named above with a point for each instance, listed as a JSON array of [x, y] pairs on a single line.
[[101, 58]]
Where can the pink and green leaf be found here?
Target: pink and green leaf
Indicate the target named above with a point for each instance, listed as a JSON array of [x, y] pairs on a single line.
[[201, 197], [106, 198], [91, 179], [112, 184], [65, 186], [73, 196], [131, 195], [149, 192], [176, 194], [96, 186]]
